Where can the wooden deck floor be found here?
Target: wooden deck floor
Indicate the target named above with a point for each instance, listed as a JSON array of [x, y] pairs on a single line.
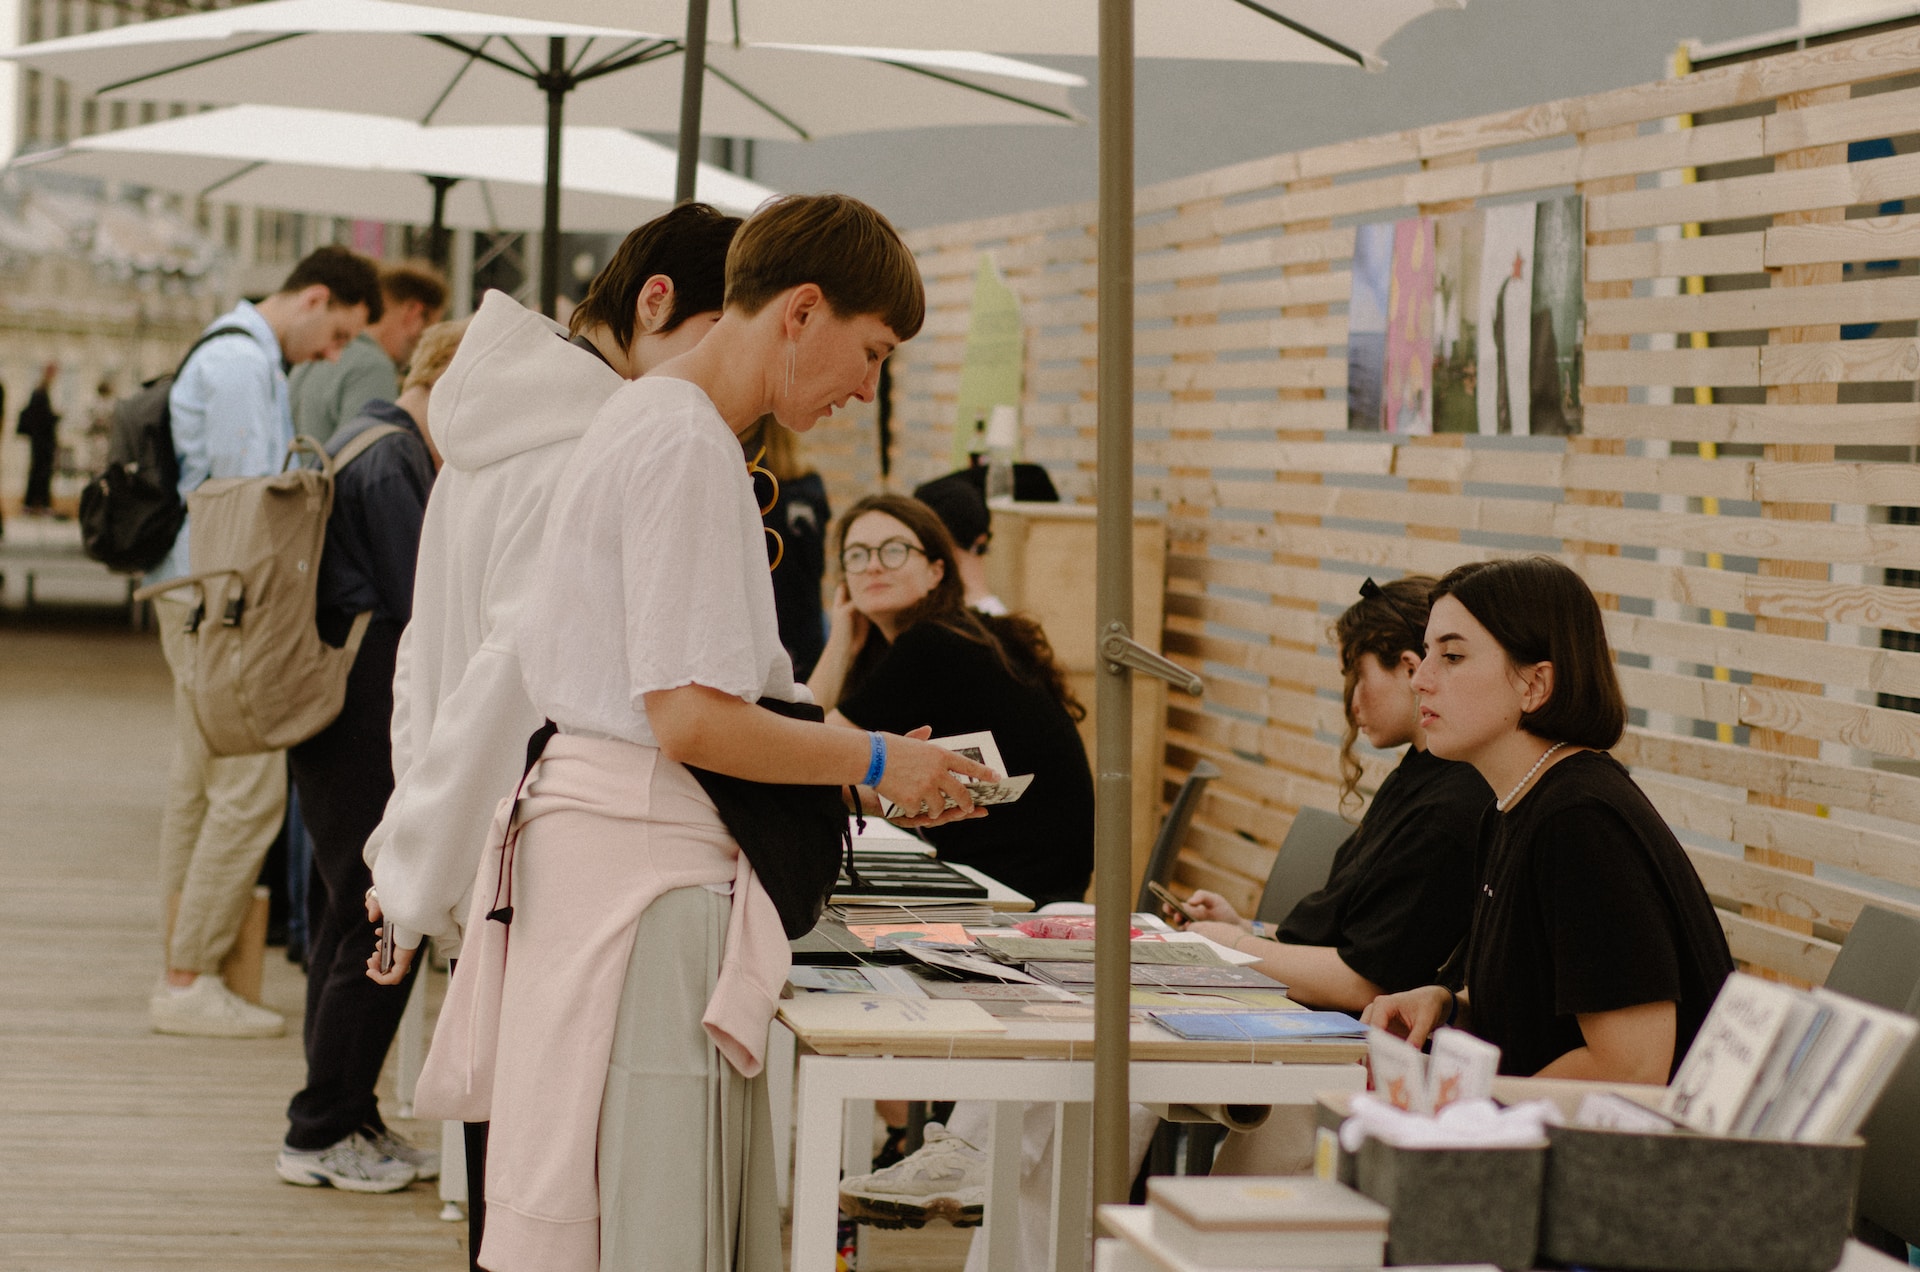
[[121, 1149]]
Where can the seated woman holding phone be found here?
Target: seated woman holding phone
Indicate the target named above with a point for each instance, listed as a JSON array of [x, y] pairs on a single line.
[[1397, 901], [905, 645], [1594, 952]]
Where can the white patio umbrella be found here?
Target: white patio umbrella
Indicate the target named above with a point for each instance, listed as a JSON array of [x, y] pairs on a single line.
[[443, 66], [1231, 30], [336, 163]]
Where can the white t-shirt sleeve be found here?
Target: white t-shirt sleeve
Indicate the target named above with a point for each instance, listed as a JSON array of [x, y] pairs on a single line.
[[687, 544]]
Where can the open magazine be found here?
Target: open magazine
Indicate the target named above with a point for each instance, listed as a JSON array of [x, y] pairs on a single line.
[[979, 747]]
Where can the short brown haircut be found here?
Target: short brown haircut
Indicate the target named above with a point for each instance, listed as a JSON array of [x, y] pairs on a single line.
[[437, 346], [688, 245], [414, 280], [1541, 611], [837, 243], [351, 278]]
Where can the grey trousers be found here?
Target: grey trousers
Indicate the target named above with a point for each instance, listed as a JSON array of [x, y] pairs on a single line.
[[686, 1143]]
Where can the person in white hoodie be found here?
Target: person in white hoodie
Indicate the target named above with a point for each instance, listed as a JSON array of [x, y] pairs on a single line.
[[506, 415]]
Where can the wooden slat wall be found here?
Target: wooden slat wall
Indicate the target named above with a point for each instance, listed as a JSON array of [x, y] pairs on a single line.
[[1276, 512]]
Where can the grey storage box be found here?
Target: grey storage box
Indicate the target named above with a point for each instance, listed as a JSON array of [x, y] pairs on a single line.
[[1680, 1202], [1456, 1205]]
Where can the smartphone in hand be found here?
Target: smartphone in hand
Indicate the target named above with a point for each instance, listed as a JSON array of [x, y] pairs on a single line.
[[383, 950], [1172, 902]]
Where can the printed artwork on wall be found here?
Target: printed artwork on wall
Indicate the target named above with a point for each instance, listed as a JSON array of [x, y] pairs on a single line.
[[1469, 323], [1367, 325]]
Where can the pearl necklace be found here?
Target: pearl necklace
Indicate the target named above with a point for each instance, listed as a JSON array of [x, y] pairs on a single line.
[[1501, 805]]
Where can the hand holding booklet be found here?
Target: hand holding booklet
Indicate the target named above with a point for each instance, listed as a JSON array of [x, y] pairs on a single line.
[[982, 748]]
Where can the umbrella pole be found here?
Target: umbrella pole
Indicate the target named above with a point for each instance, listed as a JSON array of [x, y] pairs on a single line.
[[556, 82], [693, 81], [1113, 605], [438, 240]]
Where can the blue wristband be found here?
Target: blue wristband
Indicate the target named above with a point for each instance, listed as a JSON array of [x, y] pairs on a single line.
[[877, 760]]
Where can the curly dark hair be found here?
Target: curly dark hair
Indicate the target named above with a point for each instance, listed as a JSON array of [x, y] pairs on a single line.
[[1016, 640], [1388, 621]]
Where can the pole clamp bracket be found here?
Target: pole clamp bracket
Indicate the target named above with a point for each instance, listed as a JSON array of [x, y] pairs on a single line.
[[1123, 653]]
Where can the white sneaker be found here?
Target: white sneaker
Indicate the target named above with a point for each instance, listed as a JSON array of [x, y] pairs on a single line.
[[945, 1179], [353, 1164], [425, 1161], [210, 1010]]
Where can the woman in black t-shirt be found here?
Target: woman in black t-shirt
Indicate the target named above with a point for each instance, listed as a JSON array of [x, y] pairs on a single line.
[[1397, 901], [905, 650], [1594, 951]]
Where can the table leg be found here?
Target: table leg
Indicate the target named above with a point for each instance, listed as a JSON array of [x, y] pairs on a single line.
[[1001, 1231], [856, 1142], [1072, 1186], [816, 1175], [780, 1062]]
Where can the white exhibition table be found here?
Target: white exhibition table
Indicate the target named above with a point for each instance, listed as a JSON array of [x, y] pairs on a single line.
[[833, 1116]]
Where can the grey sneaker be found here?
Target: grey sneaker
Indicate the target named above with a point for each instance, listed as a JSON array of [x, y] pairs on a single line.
[[945, 1179], [352, 1165], [425, 1161], [210, 1010]]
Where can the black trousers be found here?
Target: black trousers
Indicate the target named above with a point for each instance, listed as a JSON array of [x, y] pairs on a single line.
[[40, 474], [344, 775]]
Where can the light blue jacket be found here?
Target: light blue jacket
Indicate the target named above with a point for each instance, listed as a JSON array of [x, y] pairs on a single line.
[[231, 415]]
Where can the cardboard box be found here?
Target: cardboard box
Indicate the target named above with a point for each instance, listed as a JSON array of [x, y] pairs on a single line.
[[1681, 1202]]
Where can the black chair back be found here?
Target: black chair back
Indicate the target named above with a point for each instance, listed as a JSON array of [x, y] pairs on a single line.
[[1173, 831], [1880, 964], [1304, 862]]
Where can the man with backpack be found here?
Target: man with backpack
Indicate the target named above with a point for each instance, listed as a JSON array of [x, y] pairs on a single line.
[[229, 417]]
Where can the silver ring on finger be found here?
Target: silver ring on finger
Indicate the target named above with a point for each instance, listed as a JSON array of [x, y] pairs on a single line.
[[925, 808]]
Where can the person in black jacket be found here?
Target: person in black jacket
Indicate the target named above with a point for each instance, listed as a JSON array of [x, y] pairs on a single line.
[[344, 774], [905, 646], [799, 516], [1400, 894], [40, 426]]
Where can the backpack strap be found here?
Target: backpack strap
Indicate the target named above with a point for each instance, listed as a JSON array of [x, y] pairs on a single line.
[[215, 334], [362, 443]]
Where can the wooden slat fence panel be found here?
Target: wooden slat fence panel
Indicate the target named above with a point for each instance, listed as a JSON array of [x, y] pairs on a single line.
[[1762, 514]]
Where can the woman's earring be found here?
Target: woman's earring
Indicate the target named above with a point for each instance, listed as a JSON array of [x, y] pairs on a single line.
[[792, 349]]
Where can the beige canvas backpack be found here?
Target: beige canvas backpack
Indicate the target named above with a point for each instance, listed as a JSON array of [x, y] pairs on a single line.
[[261, 677]]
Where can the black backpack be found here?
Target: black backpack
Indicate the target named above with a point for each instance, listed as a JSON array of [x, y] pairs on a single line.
[[131, 513]]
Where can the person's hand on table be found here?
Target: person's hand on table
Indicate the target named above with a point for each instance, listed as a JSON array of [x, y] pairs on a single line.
[[1412, 1015], [1216, 909], [1224, 933], [920, 776]]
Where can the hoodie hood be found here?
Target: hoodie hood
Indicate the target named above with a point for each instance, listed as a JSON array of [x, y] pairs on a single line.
[[516, 384]]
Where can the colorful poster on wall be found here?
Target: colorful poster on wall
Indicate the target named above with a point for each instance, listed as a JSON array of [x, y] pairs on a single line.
[[996, 353], [1456, 322], [1408, 405], [1367, 309], [1505, 318], [1559, 315]]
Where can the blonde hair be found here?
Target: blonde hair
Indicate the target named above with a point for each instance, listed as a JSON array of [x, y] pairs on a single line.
[[437, 346]]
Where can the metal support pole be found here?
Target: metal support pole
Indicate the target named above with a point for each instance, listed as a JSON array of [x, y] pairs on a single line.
[[438, 240], [693, 80], [1113, 604], [556, 83]]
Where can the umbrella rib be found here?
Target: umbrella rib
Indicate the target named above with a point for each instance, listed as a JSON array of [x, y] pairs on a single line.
[[632, 53], [473, 55], [537, 69], [580, 57], [198, 61], [757, 100], [1302, 28], [607, 66], [476, 53], [980, 88], [232, 177]]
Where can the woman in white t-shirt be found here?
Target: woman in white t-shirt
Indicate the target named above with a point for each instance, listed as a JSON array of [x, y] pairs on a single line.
[[617, 1050]]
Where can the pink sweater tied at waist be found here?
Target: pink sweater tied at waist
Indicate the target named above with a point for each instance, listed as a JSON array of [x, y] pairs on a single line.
[[600, 830]]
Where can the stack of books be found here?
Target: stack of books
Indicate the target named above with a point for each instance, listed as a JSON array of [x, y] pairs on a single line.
[[1256, 1223], [1775, 1062]]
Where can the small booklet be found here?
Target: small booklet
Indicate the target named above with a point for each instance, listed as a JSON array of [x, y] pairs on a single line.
[[1210, 1026], [981, 748], [861, 1015]]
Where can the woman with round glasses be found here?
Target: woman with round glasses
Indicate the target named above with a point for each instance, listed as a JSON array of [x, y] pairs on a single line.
[[904, 645]]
